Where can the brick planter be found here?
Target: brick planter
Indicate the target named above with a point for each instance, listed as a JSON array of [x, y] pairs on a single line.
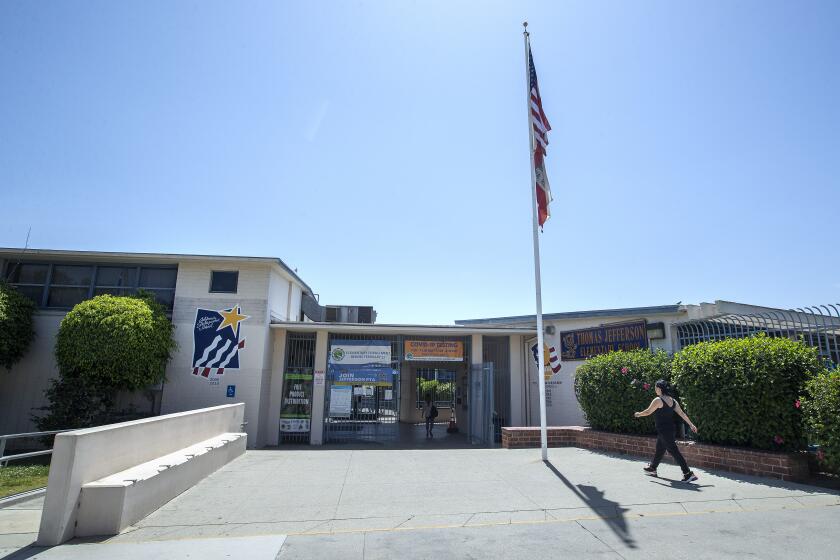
[[783, 466]]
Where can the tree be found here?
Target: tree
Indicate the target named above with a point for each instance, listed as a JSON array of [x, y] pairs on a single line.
[[16, 330], [106, 345], [118, 343]]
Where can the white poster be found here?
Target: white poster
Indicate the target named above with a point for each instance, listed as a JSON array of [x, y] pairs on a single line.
[[341, 401], [356, 352]]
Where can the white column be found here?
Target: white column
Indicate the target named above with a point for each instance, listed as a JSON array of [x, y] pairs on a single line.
[[477, 353], [316, 435], [275, 399]]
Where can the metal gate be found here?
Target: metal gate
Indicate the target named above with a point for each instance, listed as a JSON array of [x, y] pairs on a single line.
[[482, 430], [374, 411], [817, 326], [496, 351], [296, 407]]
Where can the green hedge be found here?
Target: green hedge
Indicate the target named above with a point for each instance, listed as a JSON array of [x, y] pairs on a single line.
[[16, 330], [611, 387], [122, 343], [105, 345], [746, 391], [821, 408]]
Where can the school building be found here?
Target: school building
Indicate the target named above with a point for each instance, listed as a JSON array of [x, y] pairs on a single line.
[[250, 330]]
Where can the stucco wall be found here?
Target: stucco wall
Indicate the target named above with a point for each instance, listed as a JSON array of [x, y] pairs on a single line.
[[24, 386], [185, 391]]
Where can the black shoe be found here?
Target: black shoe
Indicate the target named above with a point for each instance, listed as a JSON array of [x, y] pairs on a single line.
[[689, 477], [651, 471]]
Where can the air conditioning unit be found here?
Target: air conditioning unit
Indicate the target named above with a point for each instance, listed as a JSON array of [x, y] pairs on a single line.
[[350, 314]]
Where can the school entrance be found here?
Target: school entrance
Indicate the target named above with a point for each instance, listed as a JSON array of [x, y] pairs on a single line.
[[374, 386]]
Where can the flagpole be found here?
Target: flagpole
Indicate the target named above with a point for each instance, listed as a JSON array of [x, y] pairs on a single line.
[[537, 281]]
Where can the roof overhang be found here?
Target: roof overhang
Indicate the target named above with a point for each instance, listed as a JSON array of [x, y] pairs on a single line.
[[432, 330]]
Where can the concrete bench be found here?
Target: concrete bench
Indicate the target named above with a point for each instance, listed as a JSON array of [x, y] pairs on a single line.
[[110, 504], [105, 478]]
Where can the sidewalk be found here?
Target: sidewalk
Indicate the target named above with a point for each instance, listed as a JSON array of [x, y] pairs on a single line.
[[379, 503]]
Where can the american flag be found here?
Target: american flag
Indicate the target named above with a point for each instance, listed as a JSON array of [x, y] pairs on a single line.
[[540, 127]]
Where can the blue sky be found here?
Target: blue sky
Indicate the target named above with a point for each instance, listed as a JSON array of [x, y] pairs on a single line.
[[381, 147]]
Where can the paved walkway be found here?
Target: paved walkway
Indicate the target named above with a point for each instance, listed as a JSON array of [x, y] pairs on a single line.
[[476, 503]]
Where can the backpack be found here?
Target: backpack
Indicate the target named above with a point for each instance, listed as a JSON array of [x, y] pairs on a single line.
[[434, 412]]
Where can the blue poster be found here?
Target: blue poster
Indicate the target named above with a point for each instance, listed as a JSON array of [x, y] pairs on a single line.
[[361, 362], [216, 340]]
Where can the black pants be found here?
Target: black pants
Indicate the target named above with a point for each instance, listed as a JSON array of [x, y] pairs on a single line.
[[665, 442], [430, 424]]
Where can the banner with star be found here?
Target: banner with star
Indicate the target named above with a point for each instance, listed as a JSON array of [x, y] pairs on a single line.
[[216, 341]]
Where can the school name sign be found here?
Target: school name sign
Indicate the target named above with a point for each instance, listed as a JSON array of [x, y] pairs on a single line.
[[583, 344]]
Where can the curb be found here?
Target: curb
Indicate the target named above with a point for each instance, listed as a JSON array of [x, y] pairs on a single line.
[[22, 497]]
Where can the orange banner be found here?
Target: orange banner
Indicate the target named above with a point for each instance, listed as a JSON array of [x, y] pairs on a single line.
[[434, 351]]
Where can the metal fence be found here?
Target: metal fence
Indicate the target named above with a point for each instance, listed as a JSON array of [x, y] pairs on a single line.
[[482, 425], [817, 326], [4, 459]]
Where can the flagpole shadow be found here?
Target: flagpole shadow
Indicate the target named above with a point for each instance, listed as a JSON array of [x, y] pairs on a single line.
[[595, 500]]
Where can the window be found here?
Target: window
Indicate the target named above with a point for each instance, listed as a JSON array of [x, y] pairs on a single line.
[[224, 282], [62, 286], [69, 285], [29, 279]]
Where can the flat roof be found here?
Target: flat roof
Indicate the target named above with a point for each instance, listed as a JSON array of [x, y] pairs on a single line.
[[374, 328], [28, 254], [652, 310]]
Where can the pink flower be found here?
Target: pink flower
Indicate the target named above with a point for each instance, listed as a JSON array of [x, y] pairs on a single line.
[[647, 386], [820, 455], [797, 404], [779, 439], [625, 369]]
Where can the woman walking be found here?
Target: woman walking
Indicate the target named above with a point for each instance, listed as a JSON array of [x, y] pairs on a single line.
[[429, 412], [664, 406]]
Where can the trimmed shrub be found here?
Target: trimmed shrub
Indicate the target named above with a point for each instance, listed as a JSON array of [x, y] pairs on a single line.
[[821, 409], [16, 330], [611, 387], [119, 343], [105, 345], [746, 391]]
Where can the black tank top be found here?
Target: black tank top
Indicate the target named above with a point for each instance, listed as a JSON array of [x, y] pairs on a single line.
[[664, 415]]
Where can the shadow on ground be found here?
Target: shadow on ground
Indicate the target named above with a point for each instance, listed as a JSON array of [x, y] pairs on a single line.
[[610, 512]]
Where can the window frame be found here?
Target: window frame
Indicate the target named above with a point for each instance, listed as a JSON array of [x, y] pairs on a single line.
[[210, 289], [92, 285]]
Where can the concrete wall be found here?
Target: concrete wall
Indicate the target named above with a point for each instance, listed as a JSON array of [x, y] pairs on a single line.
[[185, 391], [24, 386], [280, 296], [87, 455]]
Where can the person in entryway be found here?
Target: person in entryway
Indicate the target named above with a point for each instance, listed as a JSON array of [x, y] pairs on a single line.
[[665, 406], [429, 413]]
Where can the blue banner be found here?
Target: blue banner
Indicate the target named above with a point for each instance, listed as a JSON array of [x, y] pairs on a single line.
[[583, 344], [361, 362]]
